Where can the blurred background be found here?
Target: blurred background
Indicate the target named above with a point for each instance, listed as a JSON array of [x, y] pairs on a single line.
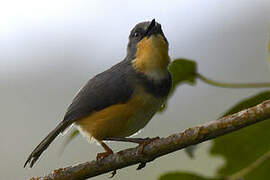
[[49, 49]]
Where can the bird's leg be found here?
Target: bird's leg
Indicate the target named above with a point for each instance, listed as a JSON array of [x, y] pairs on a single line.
[[141, 141], [104, 154]]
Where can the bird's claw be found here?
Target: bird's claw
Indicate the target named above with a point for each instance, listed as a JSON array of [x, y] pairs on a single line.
[[141, 165], [100, 156], [141, 147], [144, 143], [112, 174]]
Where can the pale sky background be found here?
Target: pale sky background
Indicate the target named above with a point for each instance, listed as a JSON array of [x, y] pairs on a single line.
[[48, 49]]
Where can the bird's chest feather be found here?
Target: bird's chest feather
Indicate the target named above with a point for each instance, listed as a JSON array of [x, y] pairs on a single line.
[[144, 106]]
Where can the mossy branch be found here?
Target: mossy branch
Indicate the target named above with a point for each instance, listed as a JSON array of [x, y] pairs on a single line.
[[164, 146]]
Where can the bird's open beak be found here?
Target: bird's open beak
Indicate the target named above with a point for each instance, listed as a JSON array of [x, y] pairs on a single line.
[[150, 28]]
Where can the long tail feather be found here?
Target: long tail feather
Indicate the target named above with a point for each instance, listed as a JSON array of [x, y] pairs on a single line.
[[44, 144]]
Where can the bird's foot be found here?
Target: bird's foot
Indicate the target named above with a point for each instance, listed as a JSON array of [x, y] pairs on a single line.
[[112, 174], [141, 147], [101, 156], [141, 141], [144, 142], [108, 151]]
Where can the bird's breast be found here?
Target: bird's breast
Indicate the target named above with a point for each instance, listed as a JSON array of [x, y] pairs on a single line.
[[145, 105], [121, 120]]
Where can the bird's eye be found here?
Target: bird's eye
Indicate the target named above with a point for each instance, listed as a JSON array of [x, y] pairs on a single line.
[[136, 34]]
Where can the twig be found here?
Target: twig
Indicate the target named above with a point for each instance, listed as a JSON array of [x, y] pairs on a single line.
[[232, 85], [164, 146]]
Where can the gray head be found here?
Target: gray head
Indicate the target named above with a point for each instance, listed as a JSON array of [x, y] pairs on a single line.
[[142, 31]]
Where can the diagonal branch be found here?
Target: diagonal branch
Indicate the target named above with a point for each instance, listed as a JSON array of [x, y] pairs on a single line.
[[164, 146]]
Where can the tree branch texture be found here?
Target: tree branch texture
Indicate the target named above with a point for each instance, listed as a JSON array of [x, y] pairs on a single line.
[[163, 146]]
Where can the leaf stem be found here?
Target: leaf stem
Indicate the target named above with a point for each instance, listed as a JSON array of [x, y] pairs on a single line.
[[232, 85], [240, 174]]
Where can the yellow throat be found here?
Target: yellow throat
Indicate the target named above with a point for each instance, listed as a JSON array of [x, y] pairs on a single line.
[[152, 56]]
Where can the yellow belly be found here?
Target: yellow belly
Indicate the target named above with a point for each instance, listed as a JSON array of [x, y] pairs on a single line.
[[121, 120]]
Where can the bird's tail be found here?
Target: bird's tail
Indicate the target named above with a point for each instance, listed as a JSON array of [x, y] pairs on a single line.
[[33, 157]]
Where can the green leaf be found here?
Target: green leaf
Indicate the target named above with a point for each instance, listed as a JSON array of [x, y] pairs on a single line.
[[262, 172], [183, 70], [241, 148], [183, 176]]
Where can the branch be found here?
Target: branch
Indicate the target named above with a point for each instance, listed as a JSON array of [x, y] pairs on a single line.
[[164, 146]]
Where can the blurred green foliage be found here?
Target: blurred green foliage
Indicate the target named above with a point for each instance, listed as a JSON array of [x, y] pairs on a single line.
[[243, 147], [240, 149], [183, 176], [183, 71]]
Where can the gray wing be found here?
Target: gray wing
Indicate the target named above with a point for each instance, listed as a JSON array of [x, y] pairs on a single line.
[[105, 89]]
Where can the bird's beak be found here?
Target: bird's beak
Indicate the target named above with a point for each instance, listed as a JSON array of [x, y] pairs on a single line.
[[150, 28]]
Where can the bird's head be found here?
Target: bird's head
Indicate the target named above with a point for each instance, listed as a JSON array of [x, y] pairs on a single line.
[[148, 48]]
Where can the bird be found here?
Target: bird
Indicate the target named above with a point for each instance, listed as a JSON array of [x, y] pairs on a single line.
[[119, 102]]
